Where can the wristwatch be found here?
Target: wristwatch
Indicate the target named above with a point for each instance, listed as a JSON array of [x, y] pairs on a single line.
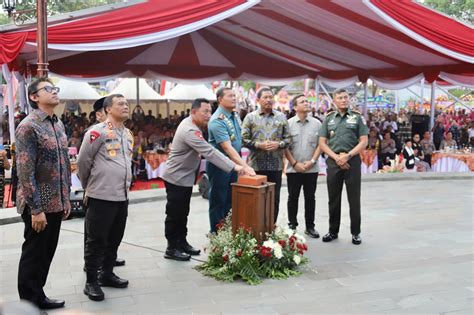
[[282, 144], [313, 161], [350, 155]]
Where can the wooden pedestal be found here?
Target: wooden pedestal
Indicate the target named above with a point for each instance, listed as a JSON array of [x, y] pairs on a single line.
[[253, 208]]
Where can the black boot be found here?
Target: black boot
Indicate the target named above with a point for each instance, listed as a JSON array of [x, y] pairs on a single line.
[[110, 279], [93, 291], [188, 249]]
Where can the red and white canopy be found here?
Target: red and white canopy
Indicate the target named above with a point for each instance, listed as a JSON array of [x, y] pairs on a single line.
[[258, 40]]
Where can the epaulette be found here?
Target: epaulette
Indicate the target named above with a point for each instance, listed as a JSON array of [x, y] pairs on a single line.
[[221, 117], [356, 111], [329, 112]]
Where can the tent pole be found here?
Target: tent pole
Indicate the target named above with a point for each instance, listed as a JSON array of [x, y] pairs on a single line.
[[316, 91], [327, 94], [455, 98], [366, 92], [138, 91], [432, 106], [167, 108], [422, 90], [397, 105], [11, 102]]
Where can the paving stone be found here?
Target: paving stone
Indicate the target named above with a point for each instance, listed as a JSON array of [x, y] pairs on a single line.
[[416, 257]]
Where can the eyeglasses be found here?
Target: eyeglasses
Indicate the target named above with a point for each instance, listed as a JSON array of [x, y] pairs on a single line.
[[49, 89]]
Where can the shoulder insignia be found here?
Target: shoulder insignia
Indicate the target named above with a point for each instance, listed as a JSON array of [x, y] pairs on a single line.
[[329, 112], [356, 111], [199, 135], [94, 135], [221, 117]]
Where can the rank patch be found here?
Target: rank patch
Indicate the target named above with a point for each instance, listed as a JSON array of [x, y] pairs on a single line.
[[199, 135], [94, 135]]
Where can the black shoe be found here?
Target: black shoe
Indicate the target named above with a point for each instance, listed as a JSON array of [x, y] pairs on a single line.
[[93, 291], [356, 239], [49, 304], [292, 227], [176, 254], [112, 280], [329, 237], [119, 262], [312, 233], [188, 249]]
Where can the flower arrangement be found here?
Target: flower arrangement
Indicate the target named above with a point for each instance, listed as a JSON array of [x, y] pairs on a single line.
[[241, 256]]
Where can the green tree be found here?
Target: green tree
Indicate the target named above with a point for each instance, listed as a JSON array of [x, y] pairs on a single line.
[[460, 9], [54, 7]]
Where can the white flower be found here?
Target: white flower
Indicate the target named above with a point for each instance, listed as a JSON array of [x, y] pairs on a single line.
[[300, 238], [297, 259], [270, 244], [289, 232], [278, 252]]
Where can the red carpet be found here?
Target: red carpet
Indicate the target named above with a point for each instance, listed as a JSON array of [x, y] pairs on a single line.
[[150, 184]]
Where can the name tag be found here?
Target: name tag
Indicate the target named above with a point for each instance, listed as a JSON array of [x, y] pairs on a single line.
[[331, 122]]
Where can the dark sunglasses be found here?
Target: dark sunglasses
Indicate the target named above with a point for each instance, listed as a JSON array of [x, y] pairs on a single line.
[[49, 89]]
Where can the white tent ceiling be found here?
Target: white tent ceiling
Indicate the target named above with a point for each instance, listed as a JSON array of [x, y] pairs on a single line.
[[190, 92], [128, 88], [76, 90]]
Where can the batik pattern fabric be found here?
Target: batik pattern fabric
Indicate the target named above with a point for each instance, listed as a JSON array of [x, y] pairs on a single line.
[[44, 171], [258, 127]]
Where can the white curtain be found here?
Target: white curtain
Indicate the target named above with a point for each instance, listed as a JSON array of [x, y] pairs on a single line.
[[11, 101], [339, 84], [397, 85], [23, 101], [126, 74], [456, 79]]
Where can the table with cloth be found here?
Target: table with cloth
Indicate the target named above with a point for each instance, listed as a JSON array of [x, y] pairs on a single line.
[[452, 162], [154, 162]]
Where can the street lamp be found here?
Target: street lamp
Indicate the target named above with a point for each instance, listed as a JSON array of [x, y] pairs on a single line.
[[9, 6]]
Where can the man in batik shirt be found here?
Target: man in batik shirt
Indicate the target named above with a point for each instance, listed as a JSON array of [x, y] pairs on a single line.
[[266, 133], [44, 181]]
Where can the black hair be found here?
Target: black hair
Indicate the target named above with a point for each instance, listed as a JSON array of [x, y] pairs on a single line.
[[296, 98], [33, 88], [220, 92], [197, 103], [339, 91], [264, 89], [109, 100]]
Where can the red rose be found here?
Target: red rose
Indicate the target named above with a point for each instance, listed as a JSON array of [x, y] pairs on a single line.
[[282, 243], [226, 258], [239, 253]]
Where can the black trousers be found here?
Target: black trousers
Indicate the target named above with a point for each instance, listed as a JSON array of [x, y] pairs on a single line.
[[178, 199], [37, 252], [336, 177], [274, 177], [105, 226], [308, 181]]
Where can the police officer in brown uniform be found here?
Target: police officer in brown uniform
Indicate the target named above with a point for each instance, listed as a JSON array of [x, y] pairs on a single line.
[[180, 173], [343, 136], [104, 168]]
